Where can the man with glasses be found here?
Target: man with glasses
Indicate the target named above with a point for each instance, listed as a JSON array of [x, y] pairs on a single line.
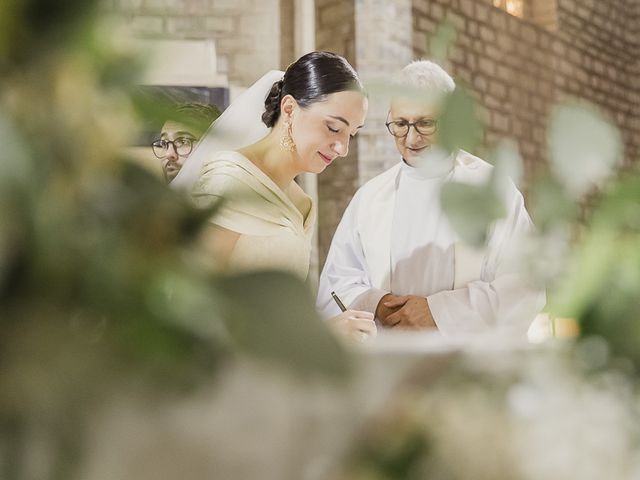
[[395, 254], [180, 134]]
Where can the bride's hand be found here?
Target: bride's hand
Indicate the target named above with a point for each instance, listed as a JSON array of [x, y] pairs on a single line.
[[354, 325]]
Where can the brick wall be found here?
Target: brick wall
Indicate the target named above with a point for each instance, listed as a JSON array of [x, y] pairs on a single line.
[[376, 37], [542, 12], [634, 19], [601, 40], [247, 32], [516, 68], [287, 33], [519, 69], [384, 44], [505, 61], [336, 32]]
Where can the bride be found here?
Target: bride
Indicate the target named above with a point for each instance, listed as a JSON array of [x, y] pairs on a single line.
[[309, 114]]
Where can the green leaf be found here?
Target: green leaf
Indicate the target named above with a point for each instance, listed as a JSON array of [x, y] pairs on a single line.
[[271, 314], [441, 41], [584, 148], [32, 29], [507, 164], [15, 162], [459, 126], [620, 207], [551, 205], [471, 209], [612, 310], [588, 273]]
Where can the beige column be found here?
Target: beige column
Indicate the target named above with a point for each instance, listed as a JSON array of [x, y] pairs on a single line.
[[305, 42]]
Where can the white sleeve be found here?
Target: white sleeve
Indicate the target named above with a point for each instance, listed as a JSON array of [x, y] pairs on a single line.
[[504, 299], [345, 270]]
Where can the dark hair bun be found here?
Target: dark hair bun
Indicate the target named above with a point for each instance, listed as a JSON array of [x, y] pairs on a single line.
[[272, 105], [311, 79]]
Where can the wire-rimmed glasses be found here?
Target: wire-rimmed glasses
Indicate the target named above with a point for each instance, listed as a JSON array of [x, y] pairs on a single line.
[[424, 126]]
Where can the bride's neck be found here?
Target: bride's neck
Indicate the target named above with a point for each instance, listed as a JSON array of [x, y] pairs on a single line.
[[268, 156]]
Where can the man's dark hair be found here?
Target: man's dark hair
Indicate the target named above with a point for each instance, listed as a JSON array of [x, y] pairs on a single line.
[[197, 116]]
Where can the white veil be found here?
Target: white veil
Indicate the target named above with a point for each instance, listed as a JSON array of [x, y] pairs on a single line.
[[239, 125]]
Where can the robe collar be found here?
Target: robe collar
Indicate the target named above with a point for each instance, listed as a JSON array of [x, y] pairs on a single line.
[[434, 166], [375, 222]]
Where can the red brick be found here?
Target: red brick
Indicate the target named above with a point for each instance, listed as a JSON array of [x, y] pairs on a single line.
[[493, 103], [537, 104], [505, 42], [472, 28], [421, 6], [467, 8], [497, 89], [559, 48], [494, 52], [514, 25], [517, 127], [499, 20], [420, 40], [487, 66], [539, 135], [503, 73], [539, 57], [480, 83], [529, 34], [465, 41], [472, 61], [544, 41], [427, 25], [500, 121], [487, 34], [437, 12], [456, 54], [528, 148], [482, 12]]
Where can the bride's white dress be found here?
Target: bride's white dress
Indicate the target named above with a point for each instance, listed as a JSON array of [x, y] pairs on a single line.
[[274, 233]]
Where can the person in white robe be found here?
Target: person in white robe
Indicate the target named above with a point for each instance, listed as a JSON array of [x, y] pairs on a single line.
[[395, 253]]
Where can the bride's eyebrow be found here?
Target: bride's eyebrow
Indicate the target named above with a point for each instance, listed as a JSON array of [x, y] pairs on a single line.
[[343, 120]]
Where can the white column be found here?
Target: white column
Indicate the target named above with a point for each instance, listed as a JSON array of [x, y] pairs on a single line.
[[305, 42], [384, 44]]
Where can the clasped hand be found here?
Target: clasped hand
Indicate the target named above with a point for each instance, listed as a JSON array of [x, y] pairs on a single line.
[[409, 312]]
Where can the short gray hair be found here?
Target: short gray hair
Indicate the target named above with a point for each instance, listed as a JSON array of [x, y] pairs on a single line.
[[425, 75]]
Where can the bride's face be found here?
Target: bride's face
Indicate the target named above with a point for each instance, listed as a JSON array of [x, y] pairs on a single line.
[[323, 130]]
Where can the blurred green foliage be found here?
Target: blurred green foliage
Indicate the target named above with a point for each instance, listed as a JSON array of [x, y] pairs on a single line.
[[394, 447], [586, 211], [100, 285], [493, 414], [602, 284], [31, 29], [547, 412]]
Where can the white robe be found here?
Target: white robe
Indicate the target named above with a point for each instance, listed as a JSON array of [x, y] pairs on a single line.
[[394, 238]]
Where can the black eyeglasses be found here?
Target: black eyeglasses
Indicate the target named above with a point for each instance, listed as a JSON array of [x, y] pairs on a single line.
[[424, 126], [182, 146]]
